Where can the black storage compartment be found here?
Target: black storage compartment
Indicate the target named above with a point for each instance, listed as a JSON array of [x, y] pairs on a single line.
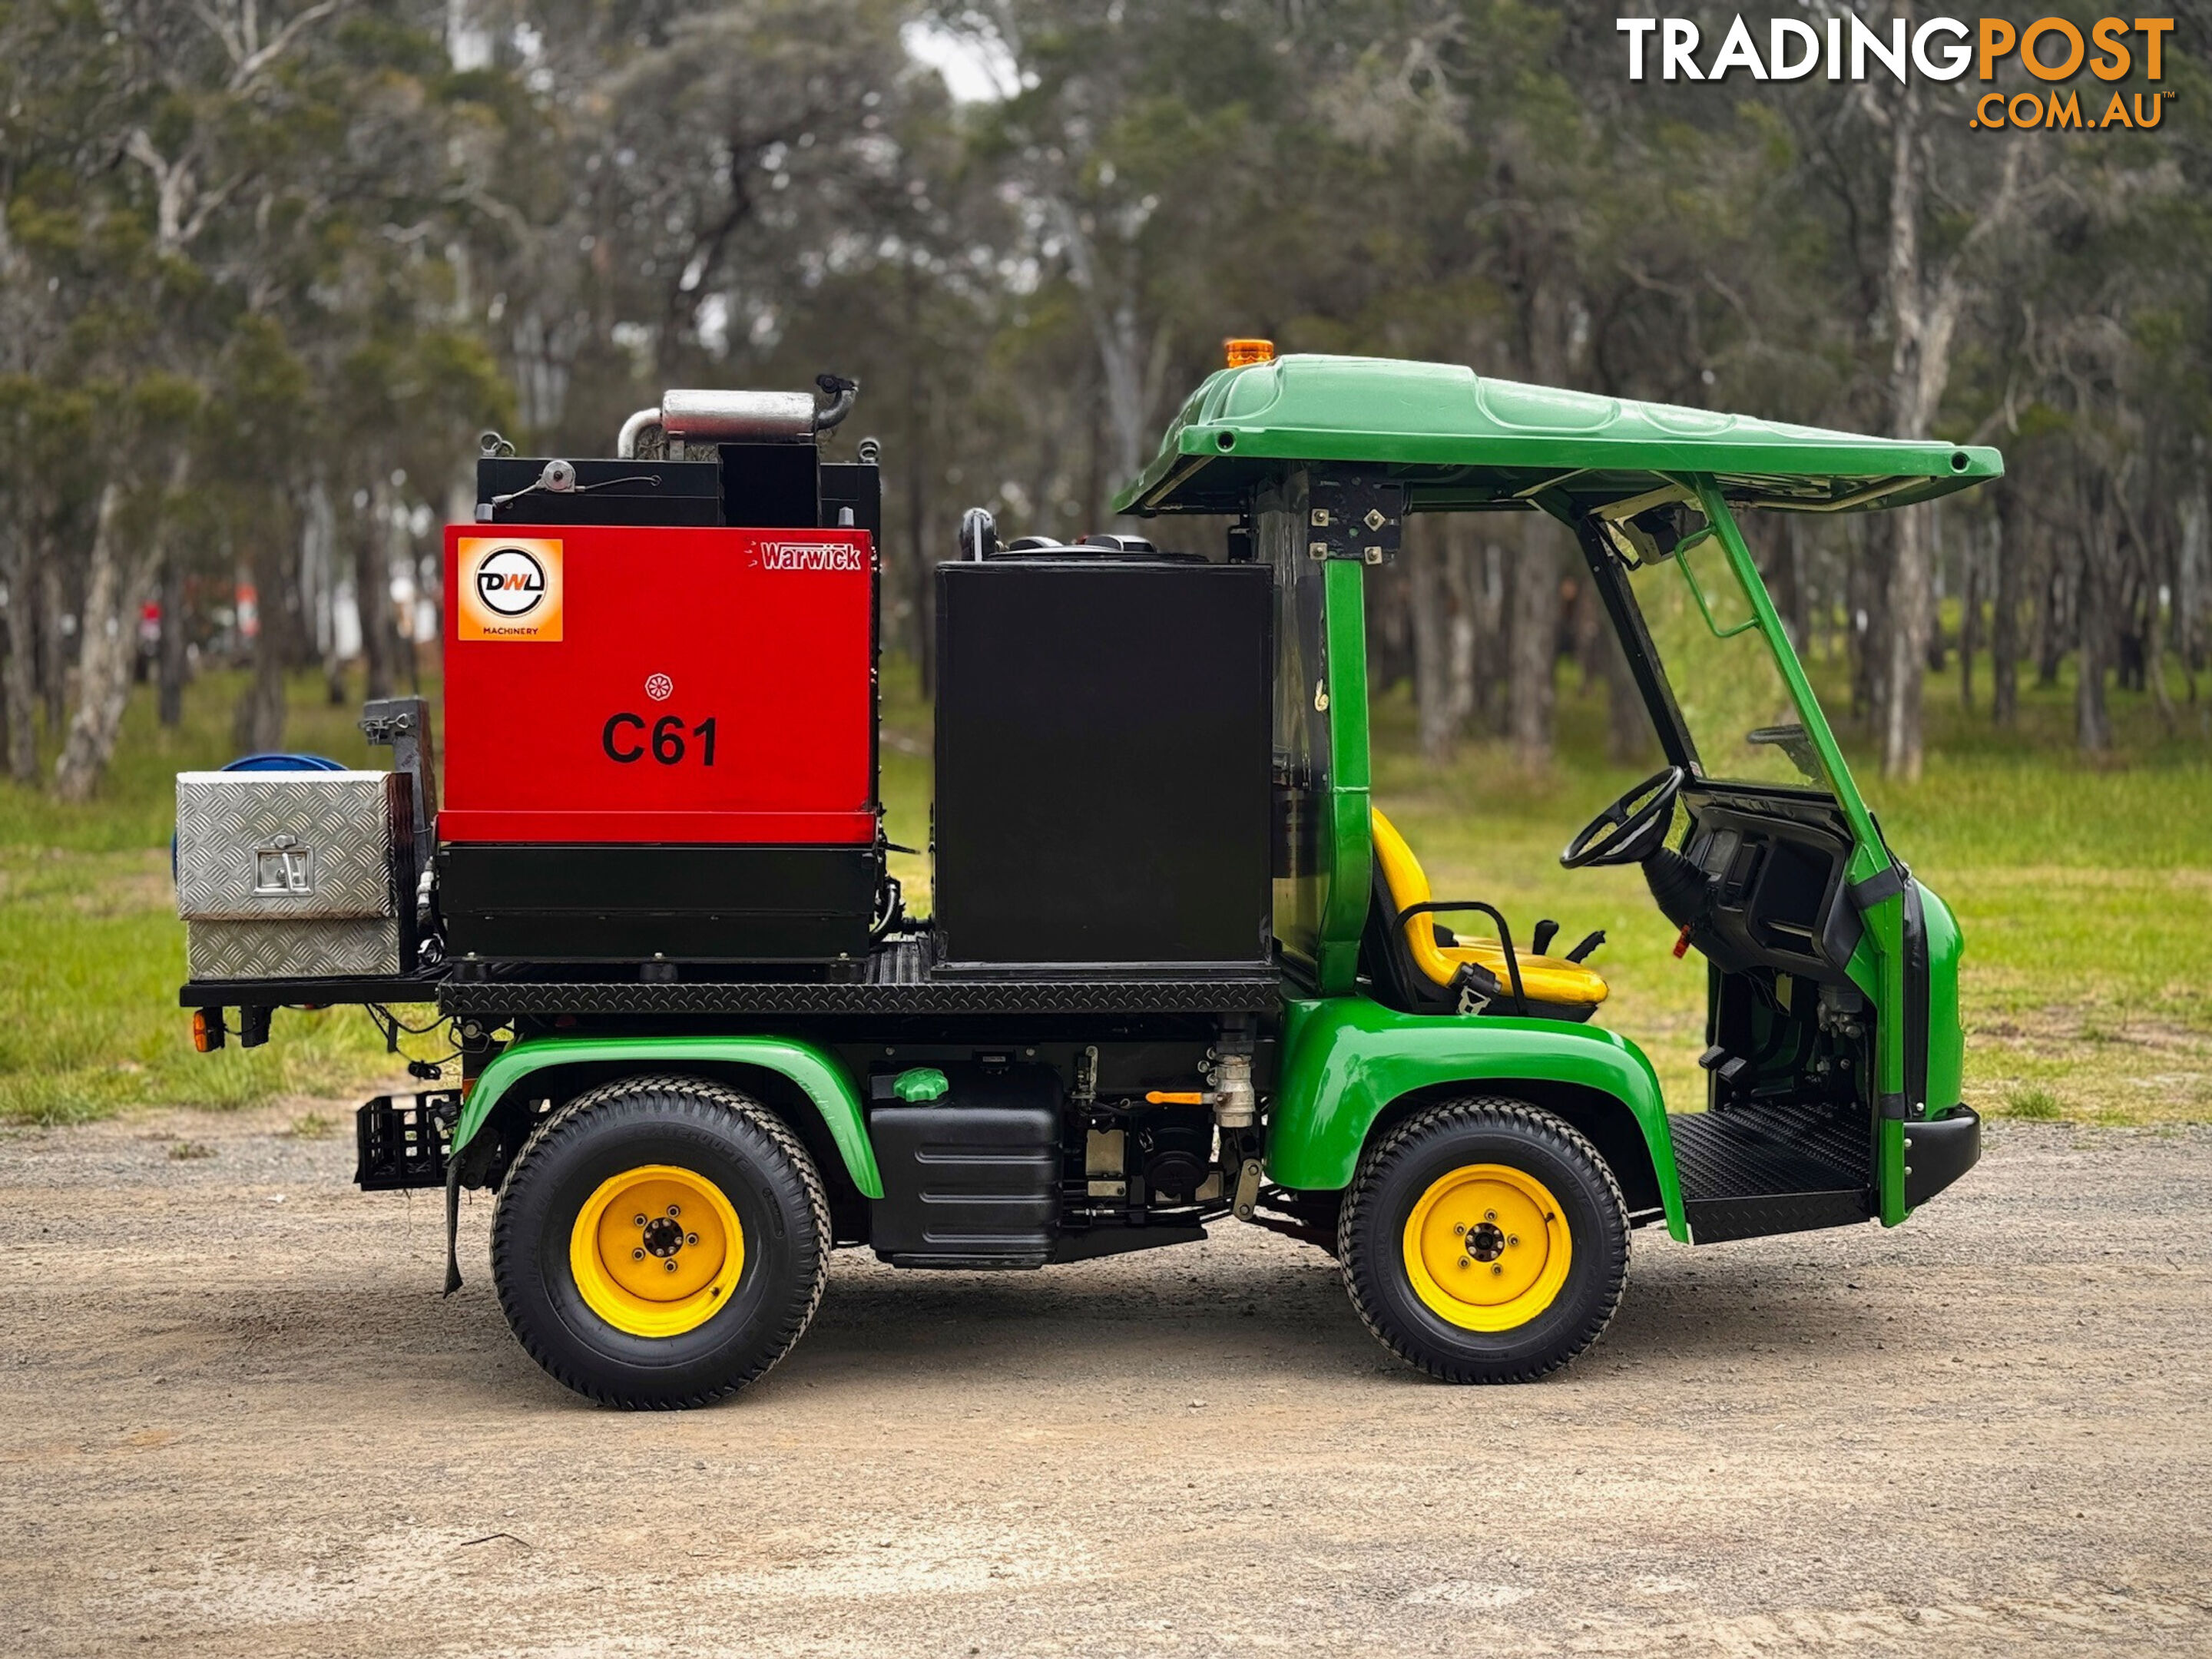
[[607, 492], [972, 1179], [1102, 777], [614, 902]]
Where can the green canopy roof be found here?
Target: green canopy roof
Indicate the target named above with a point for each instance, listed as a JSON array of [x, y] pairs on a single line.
[[1461, 441]]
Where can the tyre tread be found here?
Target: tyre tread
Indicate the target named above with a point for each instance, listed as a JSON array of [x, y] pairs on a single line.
[[699, 1097], [1478, 1110]]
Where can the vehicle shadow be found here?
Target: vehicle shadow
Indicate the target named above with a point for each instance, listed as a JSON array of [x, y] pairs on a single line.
[[1277, 1311]]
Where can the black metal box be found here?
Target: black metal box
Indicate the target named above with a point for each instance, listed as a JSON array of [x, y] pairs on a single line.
[[575, 901], [508, 491], [1103, 781]]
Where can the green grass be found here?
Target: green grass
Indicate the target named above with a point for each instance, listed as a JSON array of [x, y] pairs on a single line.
[[91, 950], [2085, 893]]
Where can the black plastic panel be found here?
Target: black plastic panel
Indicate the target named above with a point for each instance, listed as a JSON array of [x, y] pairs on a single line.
[[1939, 1150], [1717, 1220], [971, 1179], [401, 1144]]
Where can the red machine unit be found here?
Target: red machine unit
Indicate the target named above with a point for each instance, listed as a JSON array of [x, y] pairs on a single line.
[[661, 743], [608, 682]]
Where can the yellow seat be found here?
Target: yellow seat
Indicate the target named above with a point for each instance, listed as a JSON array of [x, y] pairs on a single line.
[[1554, 979]]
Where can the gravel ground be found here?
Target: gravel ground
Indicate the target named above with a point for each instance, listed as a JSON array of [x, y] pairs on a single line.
[[235, 1416]]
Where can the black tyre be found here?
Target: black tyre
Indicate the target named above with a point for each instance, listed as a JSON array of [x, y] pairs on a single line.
[[1484, 1241], [660, 1243]]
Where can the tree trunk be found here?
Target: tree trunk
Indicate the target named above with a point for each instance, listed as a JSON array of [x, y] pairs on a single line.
[[56, 642], [2011, 553], [918, 563], [2052, 616], [1911, 619], [2153, 636], [173, 661], [1866, 601], [1628, 730], [2093, 633], [1795, 600], [1534, 644], [1428, 610], [117, 584], [1923, 318], [2093, 723], [257, 723], [1970, 616], [1463, 575], [372, 594], [22, 668]]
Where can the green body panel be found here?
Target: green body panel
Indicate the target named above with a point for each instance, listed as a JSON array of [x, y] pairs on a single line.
[[1346, 1058], [1350, 826], [1452, 436], [813, 1070], [1947, 1037]]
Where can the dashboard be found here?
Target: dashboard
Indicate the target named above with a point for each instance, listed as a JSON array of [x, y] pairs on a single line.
[[1777, 895]]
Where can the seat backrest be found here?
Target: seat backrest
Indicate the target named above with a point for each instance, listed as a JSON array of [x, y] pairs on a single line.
[[1400, 881]]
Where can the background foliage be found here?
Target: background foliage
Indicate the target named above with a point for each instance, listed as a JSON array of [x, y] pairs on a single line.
[[268, 266]]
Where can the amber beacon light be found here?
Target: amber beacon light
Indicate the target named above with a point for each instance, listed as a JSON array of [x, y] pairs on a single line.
[[1243, 354]]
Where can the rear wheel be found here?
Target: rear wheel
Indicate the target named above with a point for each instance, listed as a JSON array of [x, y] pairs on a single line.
[[661, 1242], [1484, 1241]]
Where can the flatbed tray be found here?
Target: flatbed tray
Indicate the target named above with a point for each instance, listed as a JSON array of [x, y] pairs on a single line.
[[897, 980]]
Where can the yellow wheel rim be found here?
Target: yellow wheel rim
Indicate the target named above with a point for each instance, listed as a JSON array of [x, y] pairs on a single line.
[[1486, 1248], [656, 1251]]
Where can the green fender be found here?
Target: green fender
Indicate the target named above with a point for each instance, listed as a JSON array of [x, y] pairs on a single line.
[[814, 1072], [1346, 1058]]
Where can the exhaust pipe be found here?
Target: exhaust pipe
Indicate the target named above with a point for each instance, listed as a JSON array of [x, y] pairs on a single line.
[[691, 417], [634, 429]]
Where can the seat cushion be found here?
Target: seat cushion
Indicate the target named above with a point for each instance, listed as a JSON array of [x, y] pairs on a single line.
[[1545, 979]]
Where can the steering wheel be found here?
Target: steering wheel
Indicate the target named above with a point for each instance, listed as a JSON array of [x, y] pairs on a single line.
[[1632, 828]]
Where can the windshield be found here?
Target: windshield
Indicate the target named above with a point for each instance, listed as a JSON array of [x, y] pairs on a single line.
[[1732, 699]]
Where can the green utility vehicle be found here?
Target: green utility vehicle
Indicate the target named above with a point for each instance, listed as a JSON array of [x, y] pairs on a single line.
[[1180, 968]]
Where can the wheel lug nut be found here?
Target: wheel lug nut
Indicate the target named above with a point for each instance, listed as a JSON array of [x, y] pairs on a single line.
[[670, 1264], [1458, 1231], [637, 1255], [1490, 1215], [1495, 1266], [1512, 1239], [674, 1210], [637, 1221], [1462, 1261], [693, 1238]]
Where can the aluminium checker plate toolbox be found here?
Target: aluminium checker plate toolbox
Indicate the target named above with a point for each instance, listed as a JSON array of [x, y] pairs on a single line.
[[295, 875]]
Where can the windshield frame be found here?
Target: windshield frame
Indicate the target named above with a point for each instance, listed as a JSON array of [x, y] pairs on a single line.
[[1609, 569]]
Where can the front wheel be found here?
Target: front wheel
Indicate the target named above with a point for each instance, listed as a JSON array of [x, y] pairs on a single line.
[[1484, 1241], [661, 1242]]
